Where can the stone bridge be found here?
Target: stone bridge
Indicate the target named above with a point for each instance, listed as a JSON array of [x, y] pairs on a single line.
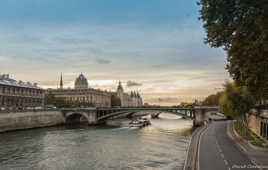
[[99, 115]]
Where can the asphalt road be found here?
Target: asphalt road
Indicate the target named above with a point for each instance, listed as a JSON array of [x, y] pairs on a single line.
[[217, 152]]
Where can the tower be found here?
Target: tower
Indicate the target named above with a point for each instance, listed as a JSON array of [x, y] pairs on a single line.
[[120, 93], [61, 82], [120, 89]]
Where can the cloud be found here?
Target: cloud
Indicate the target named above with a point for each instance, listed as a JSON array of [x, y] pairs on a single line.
[[133, 83], [3, 58], [172, 63], [163, 100], [103, 61]]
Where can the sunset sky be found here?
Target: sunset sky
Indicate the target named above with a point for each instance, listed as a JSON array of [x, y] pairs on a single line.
[[154, 46]]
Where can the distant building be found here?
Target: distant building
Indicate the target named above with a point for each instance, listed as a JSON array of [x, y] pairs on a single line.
[[18, 95], [132, 100], [81, 93]]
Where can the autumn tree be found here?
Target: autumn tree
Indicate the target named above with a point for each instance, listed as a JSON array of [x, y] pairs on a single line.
[[236, 102], [115, 101], [241, 28], [213, 99]]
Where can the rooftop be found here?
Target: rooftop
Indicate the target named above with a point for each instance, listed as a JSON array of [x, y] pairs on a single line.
[[5, 80]]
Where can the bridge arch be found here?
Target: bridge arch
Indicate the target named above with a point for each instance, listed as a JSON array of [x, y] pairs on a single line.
[[76, 117]]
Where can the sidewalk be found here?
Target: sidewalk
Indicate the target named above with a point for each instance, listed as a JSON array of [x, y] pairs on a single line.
[[192, 153], [257, 155]]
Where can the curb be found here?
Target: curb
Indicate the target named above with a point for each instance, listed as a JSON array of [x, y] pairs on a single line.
[[192, 149], [234, 138]]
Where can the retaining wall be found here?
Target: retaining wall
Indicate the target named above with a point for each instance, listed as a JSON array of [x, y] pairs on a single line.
[[255, 120], [31, 119]]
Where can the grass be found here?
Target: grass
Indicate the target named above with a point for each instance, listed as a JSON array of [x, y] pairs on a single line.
[[251, 136], [221, 115], [242, 132], [257, 143]]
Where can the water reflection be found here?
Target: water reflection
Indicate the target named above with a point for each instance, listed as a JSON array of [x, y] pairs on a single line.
[[159, 146]]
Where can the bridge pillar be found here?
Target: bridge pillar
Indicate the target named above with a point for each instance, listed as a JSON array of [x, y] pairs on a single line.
[[199, 117], [92, 117], [191, 114]]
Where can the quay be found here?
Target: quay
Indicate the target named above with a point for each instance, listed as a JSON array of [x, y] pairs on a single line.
[[25, 119]]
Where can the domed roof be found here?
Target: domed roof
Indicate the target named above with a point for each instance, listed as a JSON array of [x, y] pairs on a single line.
[[81, 82]]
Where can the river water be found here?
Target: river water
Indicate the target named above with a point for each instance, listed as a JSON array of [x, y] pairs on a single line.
[[159, 146]]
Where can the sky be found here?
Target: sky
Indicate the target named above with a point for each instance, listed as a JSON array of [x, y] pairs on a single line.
[[155, 47]]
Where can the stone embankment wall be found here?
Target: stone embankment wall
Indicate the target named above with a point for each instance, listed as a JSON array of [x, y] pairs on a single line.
[[31, 119], [255, 120]]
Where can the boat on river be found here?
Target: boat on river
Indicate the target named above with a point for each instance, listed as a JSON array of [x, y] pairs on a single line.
[[139, 123]]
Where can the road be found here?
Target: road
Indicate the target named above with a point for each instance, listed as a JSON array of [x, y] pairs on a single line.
[[217, 151]]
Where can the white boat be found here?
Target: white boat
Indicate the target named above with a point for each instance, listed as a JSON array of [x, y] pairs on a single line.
[[139, 123]]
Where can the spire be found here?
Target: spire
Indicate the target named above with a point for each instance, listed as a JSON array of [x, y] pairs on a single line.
[[120, 86], [61, 82]]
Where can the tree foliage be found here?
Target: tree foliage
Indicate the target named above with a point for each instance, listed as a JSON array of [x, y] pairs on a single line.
[[235, 101], [60, 102], [212, 100], [241, 28], [190, 104], [115, 101]]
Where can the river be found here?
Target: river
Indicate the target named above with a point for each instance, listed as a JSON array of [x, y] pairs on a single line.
[[160, 146]]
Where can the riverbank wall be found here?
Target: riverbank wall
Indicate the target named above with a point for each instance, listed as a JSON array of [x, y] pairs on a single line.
[[30, 119], [258, 123]]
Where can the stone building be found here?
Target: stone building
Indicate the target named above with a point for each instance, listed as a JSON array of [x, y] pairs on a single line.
[[132, 100], [82, 93], [19, 95], [98, 98]]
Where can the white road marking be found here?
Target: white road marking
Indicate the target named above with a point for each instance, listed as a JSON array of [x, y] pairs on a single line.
[[226, 163], [222, 155]]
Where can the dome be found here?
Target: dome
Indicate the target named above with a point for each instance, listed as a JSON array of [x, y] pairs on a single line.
[[81, 82]]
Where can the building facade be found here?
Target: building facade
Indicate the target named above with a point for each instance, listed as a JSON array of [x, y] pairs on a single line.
[[19, 95], [81, 93], [129, 100]]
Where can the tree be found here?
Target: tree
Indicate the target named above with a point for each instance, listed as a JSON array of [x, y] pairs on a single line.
[[49, 99], [146, 105], [236, 102], [241, 28], [213, 99], [115, 101], [60, 102]]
